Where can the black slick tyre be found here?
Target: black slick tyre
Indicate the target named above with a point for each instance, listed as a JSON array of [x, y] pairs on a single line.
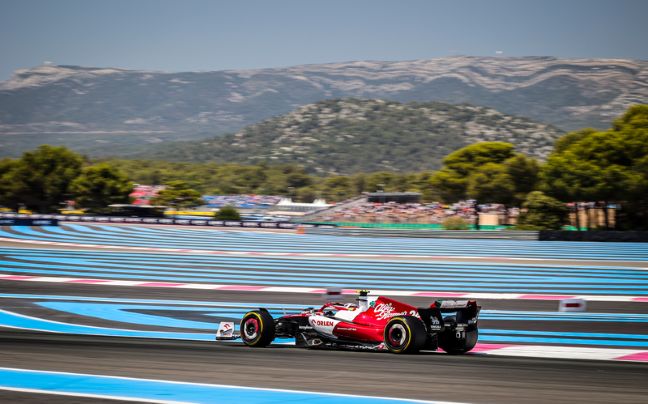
[[404, 334], [450, 344], [257, 328]]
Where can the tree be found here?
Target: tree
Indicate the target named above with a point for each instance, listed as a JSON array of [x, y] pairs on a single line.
[[542, 213], [8, 190], [384, 181], [179, 195], [525, 174], [491, 183], [566, 140], [465, 160], [488, 172], [99, 186], [337, 188], [455, 223], [307, 194], [449, 185], [605, 167], [227, 213], [41, 178]]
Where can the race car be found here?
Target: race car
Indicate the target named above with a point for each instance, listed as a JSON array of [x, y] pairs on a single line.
[[374, 323]]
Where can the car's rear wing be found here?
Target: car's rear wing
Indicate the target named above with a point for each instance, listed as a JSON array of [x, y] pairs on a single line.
[[446, 306], [467, 313]]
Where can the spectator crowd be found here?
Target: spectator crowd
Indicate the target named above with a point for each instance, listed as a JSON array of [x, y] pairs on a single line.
[[364, 212], [241, 201], [392, 212]]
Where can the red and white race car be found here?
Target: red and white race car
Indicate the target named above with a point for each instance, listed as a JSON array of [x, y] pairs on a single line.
[[376, 323]]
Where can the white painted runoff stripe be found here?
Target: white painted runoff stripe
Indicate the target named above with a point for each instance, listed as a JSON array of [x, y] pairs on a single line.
[[295, 289], [561, 352]]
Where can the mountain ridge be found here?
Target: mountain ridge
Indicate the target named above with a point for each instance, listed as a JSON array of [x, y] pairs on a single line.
[[98, 109], [345, 136]]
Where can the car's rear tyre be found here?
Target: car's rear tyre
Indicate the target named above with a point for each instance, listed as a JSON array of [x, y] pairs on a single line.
[[454, 346], [257, 328], [405, 334]]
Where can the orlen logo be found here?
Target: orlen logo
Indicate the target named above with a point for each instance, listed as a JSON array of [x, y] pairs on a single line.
[[324, 323]]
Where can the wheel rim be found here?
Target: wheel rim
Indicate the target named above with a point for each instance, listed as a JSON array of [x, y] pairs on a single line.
[[251, 328], [397, 335]]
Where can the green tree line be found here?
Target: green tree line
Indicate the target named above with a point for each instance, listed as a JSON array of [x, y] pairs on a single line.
[[607, 167]]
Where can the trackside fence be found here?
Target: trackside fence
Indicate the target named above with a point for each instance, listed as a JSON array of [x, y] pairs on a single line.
[[14, 219]]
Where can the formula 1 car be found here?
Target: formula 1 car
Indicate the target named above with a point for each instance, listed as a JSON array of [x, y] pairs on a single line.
[[374, 323]]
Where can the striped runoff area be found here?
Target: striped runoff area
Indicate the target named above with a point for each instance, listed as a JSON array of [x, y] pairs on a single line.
[[166, 391], [198, 320], [314, 274], [285, 243]]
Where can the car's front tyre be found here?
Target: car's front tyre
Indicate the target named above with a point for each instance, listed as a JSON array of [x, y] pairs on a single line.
[[257, 328]]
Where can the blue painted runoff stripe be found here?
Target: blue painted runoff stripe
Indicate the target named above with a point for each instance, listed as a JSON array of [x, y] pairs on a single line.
[[121, 309], [15, 320], [134, 314], [20, 321], [164, 391], [275, 242], [224, 309], [309, 262], [128, 314], [323, 273], [261, 267]]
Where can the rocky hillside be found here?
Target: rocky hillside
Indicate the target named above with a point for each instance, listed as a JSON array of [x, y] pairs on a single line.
[[99, 110], [351, 135]]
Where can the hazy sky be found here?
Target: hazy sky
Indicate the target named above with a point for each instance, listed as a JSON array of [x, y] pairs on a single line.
[[212, 35]]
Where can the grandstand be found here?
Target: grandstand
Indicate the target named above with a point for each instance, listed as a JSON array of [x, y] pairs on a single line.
[[241, 201], [376, 207], [286, 207], [404, 208]]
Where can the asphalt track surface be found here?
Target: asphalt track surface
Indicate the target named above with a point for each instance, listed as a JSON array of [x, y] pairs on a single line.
[[473, 378], [427, 377]]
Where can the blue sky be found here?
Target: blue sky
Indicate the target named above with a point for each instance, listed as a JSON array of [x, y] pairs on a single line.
[[212, 35]]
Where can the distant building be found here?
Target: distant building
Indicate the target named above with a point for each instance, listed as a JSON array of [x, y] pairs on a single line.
[[287, 207], [142, 194]]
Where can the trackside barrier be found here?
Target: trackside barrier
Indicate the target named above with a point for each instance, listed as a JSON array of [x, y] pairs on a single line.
[[53, 220], [598, 235], [332, 294], [402, 226], [572, 305], [5, 221], [459, 234]]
